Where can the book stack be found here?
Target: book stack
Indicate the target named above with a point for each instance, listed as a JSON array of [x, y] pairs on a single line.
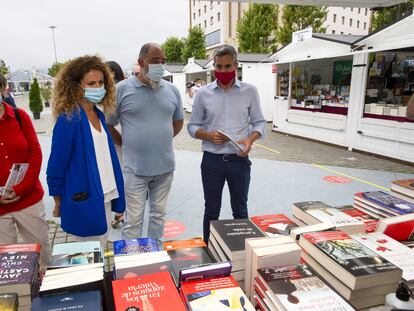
[[393, 251], [88, 300], [188, 253], [295, 287], [76, 266], [211, 270], [403, 189], [227, 242], [222, 293], [370, 221], [268, 252], [135, 246], [19, 272], [314, 212], [9, 302], [357, 273], [155, 291], [274, 224], [132, 266], [382, 205]]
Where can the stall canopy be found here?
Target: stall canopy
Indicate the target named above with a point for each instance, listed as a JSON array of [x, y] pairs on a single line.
[[340, 3], [396, 36], [317, 47]]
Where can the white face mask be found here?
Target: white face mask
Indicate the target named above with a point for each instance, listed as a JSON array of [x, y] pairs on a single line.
[[155, 72]]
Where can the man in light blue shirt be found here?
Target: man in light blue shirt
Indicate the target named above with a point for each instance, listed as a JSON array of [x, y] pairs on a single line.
[[151, 114], [233, 107]]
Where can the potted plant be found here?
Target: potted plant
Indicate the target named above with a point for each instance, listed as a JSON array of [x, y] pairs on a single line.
[[35, 101], [46, 93]]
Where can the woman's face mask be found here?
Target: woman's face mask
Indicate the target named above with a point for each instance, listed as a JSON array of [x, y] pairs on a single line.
[[94, 95]]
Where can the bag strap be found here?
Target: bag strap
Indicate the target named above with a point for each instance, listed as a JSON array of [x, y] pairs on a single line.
[[17, 116]]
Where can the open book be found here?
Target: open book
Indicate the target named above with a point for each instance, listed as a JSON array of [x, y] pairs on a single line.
[[16, 175], [235, 143]]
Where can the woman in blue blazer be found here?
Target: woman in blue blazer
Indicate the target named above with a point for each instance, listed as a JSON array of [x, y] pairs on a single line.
[[83, 174]]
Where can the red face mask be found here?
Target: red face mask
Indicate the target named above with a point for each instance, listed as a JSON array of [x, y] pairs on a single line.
[[225, 77]]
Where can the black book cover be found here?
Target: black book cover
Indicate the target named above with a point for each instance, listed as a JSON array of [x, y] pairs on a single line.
[[234, 232]]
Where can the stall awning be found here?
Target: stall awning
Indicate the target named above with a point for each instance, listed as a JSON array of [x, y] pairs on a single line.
[[339, 3], [396, 36], [317, 47]]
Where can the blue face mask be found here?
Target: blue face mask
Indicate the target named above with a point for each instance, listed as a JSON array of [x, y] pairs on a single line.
[[155, 72], [94, 95]]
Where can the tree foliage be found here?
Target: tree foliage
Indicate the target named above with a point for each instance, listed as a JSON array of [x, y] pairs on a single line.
[[256, 30], [173, 49], [194, 44], [54, 69], [35, 101], [386, 16], [297, 17], [3, 68]]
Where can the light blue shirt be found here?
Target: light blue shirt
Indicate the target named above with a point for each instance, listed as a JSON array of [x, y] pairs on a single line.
[[146, 118], [235, 111]]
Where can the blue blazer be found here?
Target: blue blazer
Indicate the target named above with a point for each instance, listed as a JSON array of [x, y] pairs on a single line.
[[72, 170]]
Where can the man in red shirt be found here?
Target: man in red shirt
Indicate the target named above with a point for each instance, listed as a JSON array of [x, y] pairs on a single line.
[[22, 205]]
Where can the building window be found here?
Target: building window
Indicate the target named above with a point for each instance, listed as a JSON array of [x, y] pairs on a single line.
[[199, 25], [199, 12], [343, 20], [205, 24], [211, 20], [193, 15], [193, 2], [357, 24], [359, 10], [211, 4], [365, 26], [334, 18], [218, 16], [352, 9], [205, 9], [366, 12], [350, 22], [342, 32], [333, 31], [213, 38]]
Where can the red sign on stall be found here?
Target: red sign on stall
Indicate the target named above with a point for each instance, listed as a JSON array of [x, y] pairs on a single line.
[[274, 68]]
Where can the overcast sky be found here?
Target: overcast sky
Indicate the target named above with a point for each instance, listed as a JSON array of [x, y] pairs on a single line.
[[112, 29]]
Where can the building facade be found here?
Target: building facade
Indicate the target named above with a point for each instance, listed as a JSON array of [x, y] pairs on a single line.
[[219, 19]]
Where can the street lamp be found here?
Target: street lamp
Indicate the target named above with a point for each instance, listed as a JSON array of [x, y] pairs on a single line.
[[54, 43]]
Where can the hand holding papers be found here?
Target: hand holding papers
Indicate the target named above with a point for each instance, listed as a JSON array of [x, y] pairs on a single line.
[[235, 143]]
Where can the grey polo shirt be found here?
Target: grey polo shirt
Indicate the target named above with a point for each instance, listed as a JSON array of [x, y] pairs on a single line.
[[146, 117]]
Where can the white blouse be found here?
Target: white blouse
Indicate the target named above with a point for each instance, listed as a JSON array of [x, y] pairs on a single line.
[[104, 161]]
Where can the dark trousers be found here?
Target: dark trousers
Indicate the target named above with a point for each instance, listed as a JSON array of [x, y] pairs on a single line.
[[215, 170]]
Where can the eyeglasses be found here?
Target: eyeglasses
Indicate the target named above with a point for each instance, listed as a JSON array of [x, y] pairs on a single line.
[[136, 74]]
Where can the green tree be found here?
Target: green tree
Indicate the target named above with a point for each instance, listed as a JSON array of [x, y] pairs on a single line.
[[54, 69], [256, 30], [298, 17], [3, 68], [173, 49], [35, 101], [386, 16], [194, 44]]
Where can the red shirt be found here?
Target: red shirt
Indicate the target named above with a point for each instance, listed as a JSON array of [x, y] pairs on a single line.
[[20, 145]]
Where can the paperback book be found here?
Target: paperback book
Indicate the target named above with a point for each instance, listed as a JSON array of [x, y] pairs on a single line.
[[212, 270], [370, 221], [296, 288], [273, 224], [386, 202], [9, 302], [86, 301], [354, 264], [148, 292], [16, 175], [75, 253], [404, 186], [135, 246], [400, 228]]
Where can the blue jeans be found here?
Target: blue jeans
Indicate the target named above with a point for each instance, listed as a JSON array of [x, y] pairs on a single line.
[[216, 169], [136, 189]]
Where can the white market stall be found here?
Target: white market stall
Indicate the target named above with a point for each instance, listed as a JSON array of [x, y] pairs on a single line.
[[314, 86], [386, 83]]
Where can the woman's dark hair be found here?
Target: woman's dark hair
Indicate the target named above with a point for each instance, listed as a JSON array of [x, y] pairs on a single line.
[[117, 71], [3, 81]]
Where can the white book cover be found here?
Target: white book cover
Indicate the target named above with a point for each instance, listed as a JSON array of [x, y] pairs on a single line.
[[390, 249], [335, 216], [17, 173]]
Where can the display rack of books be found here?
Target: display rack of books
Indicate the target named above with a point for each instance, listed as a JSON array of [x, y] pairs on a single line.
[[283, 82], [389, 86]]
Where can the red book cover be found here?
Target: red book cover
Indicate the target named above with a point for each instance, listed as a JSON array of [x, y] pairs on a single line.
[[215, 294], [273, 224], [400, 230], [369, 221], [20, 248], [150, 292]]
